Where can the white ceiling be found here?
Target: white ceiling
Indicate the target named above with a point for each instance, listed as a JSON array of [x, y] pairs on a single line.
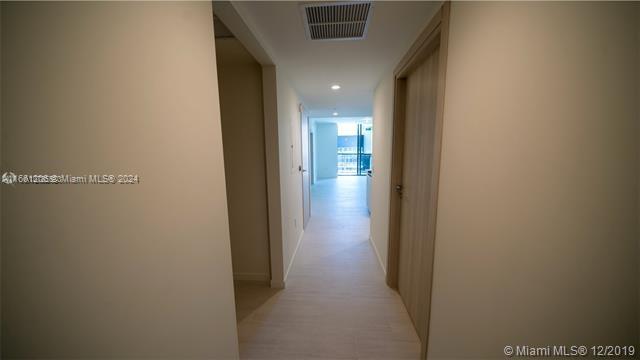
[[356, 65]]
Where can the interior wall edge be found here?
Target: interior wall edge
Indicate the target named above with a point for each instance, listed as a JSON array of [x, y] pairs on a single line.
[[272, 160], [244, 148], [227, 12], [382, 122]]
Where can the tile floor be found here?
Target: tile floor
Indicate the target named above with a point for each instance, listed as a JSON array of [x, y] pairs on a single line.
[[336, 304]]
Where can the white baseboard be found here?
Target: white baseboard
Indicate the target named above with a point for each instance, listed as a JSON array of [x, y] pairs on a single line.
[[293, 257], [375, 249], [258, 277], [277, 284]]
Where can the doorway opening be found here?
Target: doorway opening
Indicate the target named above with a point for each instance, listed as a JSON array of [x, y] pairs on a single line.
[[241, 95], [341, 154], [354, 147]]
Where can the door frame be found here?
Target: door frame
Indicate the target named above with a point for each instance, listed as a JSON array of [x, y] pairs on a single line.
[[227, 13], [304, 136], [434, 35], [312, 172]]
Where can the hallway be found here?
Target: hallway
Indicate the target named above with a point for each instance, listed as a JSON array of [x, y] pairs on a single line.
[[336, 303]]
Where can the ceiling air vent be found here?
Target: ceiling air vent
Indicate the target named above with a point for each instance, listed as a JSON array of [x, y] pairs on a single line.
[[336, 20]]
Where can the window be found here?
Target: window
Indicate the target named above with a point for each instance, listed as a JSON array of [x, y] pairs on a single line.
[[354, 148]]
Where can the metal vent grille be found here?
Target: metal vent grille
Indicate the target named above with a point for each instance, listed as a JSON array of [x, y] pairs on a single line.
[[337, 21]]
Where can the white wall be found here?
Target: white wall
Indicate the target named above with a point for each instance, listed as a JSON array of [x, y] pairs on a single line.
[[326, 150], [290, 160], [537, 216], [114, 271], [380, 182], [240, 83]]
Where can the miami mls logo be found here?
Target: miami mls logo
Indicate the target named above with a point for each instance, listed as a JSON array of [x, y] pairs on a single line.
[[9, 178]]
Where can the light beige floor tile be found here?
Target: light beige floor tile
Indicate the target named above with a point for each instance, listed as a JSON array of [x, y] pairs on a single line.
[[336, 304]]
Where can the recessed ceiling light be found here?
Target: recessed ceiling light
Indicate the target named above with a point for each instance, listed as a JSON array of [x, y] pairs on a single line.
[[335, 114], [335, 87]]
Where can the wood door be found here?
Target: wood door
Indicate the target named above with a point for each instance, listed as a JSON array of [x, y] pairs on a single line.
[[306, 183], [419, 150]]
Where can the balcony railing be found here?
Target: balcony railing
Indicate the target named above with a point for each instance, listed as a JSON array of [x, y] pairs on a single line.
[[353, 163]]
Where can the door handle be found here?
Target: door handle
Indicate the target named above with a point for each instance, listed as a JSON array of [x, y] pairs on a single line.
[[399, 189]]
